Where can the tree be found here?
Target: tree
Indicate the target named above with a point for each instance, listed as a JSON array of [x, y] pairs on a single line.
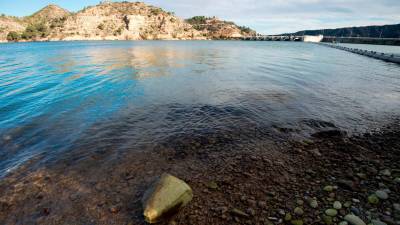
[[35, 31], [13, 36]]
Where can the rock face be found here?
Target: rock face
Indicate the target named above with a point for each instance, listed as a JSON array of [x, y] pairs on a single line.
[[111, 21], [8, 24], [165, 198]]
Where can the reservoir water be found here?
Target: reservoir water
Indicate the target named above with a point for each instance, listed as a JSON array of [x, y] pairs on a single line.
[[123, 97]]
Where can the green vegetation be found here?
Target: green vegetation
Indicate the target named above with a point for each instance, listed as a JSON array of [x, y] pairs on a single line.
[[156, 11], [101, 26], [13, 36], [196, 20], [58, 22], [245, 29], [35, 31], [118, 31]]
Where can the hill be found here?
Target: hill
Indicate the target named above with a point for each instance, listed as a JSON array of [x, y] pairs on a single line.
[[385, 31], [112, 21], [219, 29]]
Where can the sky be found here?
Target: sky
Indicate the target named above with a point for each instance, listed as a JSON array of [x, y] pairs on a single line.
[[265, 16]]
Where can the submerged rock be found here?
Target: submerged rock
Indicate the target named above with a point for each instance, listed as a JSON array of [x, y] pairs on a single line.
[[373, 199], [328, 188], [354, 220], [313, 203], [331, 212], [239, 212], [165, 198], [381, 194], [297, 222], [298, 211], [378, 222], [337, 205]]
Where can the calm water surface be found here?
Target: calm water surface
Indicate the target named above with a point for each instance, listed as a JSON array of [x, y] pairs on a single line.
[[55, 97]]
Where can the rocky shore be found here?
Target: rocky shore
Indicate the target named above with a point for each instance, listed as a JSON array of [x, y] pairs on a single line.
[[330, 178], [115, 21]]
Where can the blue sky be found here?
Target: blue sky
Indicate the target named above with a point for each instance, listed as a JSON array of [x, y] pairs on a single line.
[[266, 16]]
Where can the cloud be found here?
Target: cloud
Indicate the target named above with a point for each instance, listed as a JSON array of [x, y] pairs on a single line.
[[280, 16]]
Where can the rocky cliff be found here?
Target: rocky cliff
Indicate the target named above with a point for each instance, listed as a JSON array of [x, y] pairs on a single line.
[[111, 21]]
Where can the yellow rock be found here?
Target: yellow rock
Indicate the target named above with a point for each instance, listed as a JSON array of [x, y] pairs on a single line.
[[165, 198]]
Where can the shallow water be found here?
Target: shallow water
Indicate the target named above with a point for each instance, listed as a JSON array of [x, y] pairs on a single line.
[[96, 96]]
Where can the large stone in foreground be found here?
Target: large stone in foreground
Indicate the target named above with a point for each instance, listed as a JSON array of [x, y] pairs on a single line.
[[354, 220], [165, 197]]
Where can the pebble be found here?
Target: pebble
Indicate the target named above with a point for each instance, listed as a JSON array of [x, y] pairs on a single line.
[[381, 194], [296, 222], [355, 210], [212, 185], [239, 212], [347, 204], [362, 176], [355, 200], [313, 203], [354, 220], [298, 211], [372, 170], [386, 172], [343, 223], [114, 209], [288, 217], [327, 219], [396, 207], [378, 222], [337, 205], [262, 204], [251, 211], [373, 199], [300, 202], [397, 180], [328, 188], [331, 212]]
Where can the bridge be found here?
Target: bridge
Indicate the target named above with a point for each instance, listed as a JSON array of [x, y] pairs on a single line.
[[355, 40], [272, 38]]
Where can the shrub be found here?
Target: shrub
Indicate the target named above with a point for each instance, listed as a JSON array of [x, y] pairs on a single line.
[[13, 36], [118, 32], [35, 31], [101, 26], [156, 11], [197, 20], [244, 29], [58, 22]]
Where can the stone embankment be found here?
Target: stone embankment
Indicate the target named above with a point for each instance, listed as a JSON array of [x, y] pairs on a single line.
[[373, 54]]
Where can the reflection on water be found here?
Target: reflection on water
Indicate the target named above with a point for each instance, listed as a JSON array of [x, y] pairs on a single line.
[[84, 97]]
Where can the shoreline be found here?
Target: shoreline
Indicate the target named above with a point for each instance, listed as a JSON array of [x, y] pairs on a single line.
[[266, 183]]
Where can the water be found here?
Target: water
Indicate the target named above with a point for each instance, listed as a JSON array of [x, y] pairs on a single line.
[[120, 96]]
